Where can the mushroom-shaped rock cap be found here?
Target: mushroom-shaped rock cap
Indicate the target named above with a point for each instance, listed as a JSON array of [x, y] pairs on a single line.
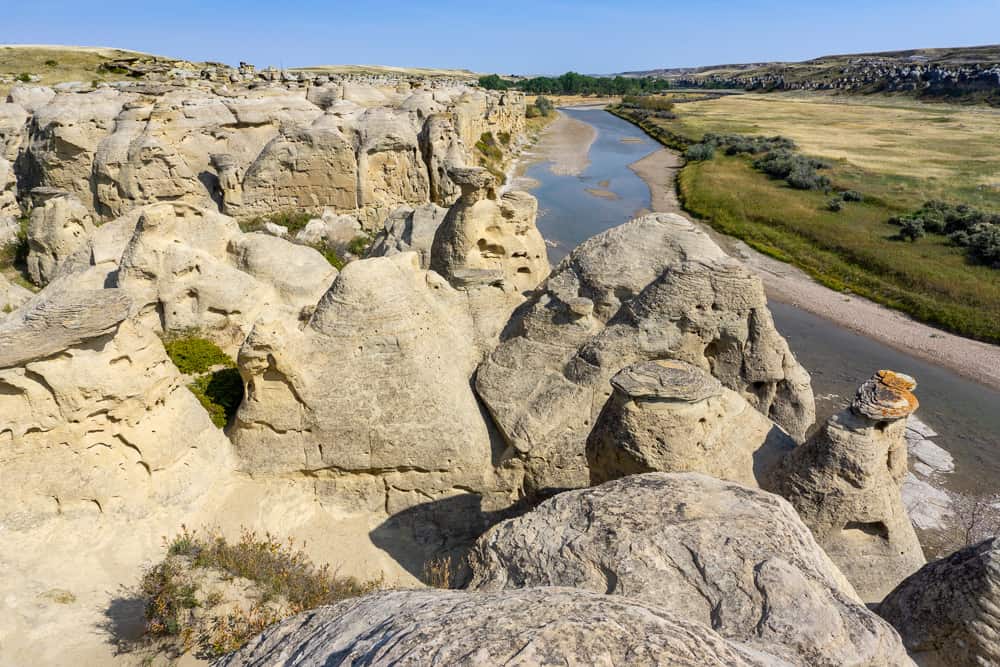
[[666, 380], [471, 177], [887, 395]]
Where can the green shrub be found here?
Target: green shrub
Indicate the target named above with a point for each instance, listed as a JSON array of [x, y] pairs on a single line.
[[220, 393], [984, 244], [851, 195], [359, 244], [24, 77], [836, 204], [699, 152], [544, 105], [531, 111], [912, 229], [330, 255], [487, 146], [193, 355], [52, 63]]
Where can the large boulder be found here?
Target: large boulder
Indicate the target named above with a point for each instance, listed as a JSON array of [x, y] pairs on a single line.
[[98, 421], [654, 288], [482, 231], [303, 167], [58, 229], [846, 481], [947, 613], [377, 383], [735, 559], [671, 416], [542, 626]]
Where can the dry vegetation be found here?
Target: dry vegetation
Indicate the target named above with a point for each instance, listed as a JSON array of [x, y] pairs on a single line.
[[58, 64], [897, 153]]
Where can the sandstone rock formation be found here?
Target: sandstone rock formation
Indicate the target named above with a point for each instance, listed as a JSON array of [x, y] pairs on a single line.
[[188, 268], [409, 229], [845, 483], [947, 611], [10, 210], [481, 231], [59, 227], [11, 296], [542, 626], [98, 419], [654, 288], [362, 148], [733, 558], [400, 343], [670, 416]]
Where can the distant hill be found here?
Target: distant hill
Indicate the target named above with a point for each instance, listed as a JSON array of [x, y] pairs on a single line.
[[961, 73]]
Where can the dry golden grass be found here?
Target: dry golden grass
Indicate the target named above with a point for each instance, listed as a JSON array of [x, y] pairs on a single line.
[[58, 64], [892, 136]]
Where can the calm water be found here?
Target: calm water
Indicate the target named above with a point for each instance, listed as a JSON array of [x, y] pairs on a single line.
[[965, 413]]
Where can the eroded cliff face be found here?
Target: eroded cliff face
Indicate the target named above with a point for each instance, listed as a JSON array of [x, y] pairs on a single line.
[[363, 147]]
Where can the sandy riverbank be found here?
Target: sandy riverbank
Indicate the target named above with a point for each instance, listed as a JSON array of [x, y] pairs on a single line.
[[564, 143], [788, 284]]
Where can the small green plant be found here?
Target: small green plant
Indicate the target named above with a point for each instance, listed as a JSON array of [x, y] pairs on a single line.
[[359, 245], [851, 195], [487, 146], [24, 77], [330, 255], [911, 230], [51, 63], [193, 355], [293, 221], [544, 105], [836, 204], [220, 393], [504, 138]]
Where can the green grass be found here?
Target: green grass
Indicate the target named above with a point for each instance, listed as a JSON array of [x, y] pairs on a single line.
[[192, 354], [853, 249]]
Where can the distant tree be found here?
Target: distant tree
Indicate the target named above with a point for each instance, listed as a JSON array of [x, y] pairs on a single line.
[[494, 82]]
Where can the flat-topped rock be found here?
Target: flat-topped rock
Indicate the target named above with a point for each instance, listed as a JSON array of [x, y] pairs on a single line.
[[886, 395], [666, 380]]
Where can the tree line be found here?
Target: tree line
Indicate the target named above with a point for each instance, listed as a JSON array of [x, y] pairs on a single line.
[[572, 83]]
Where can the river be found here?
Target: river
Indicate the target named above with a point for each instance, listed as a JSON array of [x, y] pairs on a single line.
[[964, 413]]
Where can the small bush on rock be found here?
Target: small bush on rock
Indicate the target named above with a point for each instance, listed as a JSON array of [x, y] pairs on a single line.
[[193, 355], [211, 596]]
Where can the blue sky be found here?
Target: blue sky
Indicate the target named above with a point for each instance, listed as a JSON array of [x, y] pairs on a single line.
[[516, 36]]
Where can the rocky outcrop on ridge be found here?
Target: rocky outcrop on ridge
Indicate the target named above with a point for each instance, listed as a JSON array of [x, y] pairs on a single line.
[[409, 229], [736, 559], [484, 232], [363, 148], [671, 416], [541, 626], [98, 418], [654, 288], [947, 612], [845, 484]]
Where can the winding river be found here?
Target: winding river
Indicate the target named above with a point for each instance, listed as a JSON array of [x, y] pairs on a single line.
[[607, 193]]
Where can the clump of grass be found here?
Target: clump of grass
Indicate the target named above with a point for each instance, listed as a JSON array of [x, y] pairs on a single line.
[[220, 393], [487, 146], [182, 604], [219, 390], [330, 255], [359, 245], [192, 354], [293, 221]]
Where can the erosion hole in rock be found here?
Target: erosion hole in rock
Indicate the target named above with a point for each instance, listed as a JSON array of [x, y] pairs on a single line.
[[859, 529], [490, 249]]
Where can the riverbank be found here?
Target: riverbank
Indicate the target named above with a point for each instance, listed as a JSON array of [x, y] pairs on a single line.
[[788, 284], [564, 144]]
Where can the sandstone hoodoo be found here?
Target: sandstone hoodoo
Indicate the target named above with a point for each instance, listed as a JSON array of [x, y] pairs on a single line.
[[654, 288], [845, 484], [671, 416]]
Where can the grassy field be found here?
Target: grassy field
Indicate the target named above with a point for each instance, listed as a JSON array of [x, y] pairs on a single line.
[[58, 64], [898, 153]]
